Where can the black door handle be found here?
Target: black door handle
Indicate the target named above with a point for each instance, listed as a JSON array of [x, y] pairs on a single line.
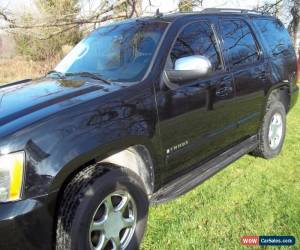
[[224, 91], [262, 75]]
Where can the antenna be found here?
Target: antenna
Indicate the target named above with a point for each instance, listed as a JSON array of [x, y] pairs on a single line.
[[158, 14]]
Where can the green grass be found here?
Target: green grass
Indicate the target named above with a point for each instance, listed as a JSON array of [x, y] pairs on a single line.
[[253, 196]]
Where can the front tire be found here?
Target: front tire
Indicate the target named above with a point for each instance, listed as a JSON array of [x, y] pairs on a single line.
[[272, 132], [103, 208]]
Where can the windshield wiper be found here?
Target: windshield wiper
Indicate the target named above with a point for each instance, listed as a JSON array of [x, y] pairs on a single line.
[[55, 72], [89, 74]]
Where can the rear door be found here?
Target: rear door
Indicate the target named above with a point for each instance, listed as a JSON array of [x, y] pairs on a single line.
[[197, 118], [245, 61]]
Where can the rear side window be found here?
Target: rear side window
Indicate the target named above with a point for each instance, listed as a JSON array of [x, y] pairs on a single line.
[[238, 41], [197, 39], [275, 34]]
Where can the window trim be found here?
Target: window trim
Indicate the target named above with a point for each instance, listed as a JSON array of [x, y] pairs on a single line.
[[211, 26], [258, 45]]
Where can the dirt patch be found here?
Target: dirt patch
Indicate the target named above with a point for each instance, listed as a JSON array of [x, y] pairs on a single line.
[[18, 68]]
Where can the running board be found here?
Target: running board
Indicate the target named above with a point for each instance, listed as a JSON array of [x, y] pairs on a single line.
[[185, 183]]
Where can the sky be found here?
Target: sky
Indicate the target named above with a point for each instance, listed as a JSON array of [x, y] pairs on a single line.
[[16, 5], [164, 5], [19, 6]]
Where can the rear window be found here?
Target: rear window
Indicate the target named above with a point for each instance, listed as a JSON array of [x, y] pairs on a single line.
[[275, 34]]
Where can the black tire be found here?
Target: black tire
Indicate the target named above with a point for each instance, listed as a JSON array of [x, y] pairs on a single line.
[[263, 149], [82, 197]]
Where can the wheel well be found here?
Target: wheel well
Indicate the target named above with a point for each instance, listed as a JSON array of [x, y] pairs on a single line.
[[282, 94], [138, 159]]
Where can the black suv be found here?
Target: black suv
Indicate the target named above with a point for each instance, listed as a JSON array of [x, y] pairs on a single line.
[[139, 112]]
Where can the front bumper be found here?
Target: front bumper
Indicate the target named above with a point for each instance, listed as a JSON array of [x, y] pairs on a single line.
[[28, 224]]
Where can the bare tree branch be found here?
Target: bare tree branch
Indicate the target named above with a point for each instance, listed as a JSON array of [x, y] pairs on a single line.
[[189, 5], [270, 8], [72, 20], [294, 24], [291, 12], [5, 16]]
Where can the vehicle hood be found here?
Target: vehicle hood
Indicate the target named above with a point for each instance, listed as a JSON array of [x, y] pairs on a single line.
[[44, 96]]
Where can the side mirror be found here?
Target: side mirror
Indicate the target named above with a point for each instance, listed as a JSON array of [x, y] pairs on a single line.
[[189, 68]]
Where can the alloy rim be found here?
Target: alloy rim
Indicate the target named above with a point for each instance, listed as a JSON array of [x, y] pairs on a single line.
[[275, 131], [114, 222]]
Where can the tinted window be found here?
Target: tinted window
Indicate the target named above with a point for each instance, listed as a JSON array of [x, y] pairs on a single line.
[[239, 43], [120, 52], [275, 34], [197, 39]]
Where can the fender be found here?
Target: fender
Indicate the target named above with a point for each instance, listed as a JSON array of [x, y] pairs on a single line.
[[99, 154], [281, 86], [58, 146], [268, 92], [68, 156]]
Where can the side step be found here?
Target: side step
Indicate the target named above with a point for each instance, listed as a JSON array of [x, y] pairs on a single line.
[[185, 183]]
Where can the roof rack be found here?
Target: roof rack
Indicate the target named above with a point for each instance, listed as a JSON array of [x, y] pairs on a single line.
[[228, 10]]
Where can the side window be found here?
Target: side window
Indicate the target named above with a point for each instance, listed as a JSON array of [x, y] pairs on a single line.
[[239, 43], [275, 34], [197, 39]]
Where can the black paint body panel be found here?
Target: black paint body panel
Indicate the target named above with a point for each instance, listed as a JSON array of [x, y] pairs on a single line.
[[28, 224], [63, 124]]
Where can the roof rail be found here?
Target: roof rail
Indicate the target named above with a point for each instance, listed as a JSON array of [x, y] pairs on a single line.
[[228, 10]]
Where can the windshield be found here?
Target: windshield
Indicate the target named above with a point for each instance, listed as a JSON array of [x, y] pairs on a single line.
[[120, 52]]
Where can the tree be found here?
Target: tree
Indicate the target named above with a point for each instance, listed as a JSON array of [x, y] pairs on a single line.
[[55, 10], [185, 5], [61, 22], [188, 5], [46, 42], [107, 10], [128, 8], [270, 8], [294, 25], [291, 12]]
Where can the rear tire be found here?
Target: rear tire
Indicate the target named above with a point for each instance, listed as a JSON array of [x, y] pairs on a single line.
[[272, 132], [85, 198]]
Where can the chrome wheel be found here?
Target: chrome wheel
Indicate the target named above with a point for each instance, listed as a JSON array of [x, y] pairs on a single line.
[[114, 222], [275, 131]]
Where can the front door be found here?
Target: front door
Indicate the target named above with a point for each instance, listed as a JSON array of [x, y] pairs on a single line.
[[197, 118]]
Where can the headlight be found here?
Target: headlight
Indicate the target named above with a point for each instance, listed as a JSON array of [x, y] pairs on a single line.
[[11, 176]]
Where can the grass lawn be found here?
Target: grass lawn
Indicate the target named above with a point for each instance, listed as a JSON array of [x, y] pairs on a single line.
[[251, 197]]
